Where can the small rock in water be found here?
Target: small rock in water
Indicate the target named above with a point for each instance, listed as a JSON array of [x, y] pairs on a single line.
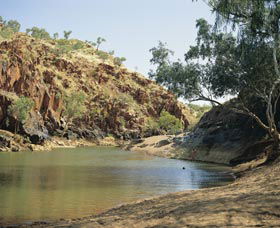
[[183, 167]]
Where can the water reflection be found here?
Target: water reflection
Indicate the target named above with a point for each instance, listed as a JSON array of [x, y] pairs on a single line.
[[83, 181]]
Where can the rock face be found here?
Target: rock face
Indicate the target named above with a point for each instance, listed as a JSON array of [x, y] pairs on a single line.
[[223, 136], [119, 101]]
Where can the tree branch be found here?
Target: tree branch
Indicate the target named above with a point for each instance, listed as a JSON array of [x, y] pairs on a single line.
[[246, 111], [203, 98]]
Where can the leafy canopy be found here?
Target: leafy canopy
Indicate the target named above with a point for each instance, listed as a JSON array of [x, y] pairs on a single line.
[[20, 108], [38, 33], [219, 64], [74, 106]]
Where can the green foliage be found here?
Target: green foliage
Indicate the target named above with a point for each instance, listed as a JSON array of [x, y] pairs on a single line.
[[166, 123], [38, 33], [160, 54], [99, 41], [199, 110], [78, 45], [64, 46], [13, 25], [112, 52], [6, 33], [183, 80], [102, 55], [122, 121], [230, 66], [118, 61], [20, 109], [67, 34], [257, 23], [9, 28], [151, 125], [169, 123], [91, 43], [74, 106], [55, 36]]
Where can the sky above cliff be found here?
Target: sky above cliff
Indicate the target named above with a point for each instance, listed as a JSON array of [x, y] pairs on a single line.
[[131, 27]]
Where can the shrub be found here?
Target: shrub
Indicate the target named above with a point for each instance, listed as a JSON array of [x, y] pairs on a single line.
[[64, 46], [55, 36], [8, 28], [13, 25], [20, 109], [6, 33], [102, 55], [122, 121], [199, 110], [38, 33], [78, 45], [67, 34], [169, 123], [74, 107], [151, 126], [99, 41], [119, 60]]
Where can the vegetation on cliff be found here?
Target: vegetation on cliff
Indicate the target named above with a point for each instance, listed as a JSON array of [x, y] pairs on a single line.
[[54, 73]]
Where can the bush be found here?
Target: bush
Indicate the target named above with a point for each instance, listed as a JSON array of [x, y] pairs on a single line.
[[199, 110], [20, 109], [151, 126], [166, 124], [67, 34], [78, 45], [119, 60], [6, 33], [13, 25], [74, 105], [169, 123], [9, 28], [38, 33], [64, 46], [102, 55]]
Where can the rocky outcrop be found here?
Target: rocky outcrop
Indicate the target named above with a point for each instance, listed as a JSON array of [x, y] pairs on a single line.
[[223, 136], [118, 101]]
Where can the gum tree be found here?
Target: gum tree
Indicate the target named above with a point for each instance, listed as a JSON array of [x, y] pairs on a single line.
[[261, 19], [67, 34]]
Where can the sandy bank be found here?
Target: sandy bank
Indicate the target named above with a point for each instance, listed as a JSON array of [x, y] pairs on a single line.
[[162, 146]]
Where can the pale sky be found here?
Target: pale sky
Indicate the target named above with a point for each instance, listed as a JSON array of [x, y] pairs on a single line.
[[131, 27]]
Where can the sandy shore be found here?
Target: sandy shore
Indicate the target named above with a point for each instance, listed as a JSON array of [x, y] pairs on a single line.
[[161, 145]]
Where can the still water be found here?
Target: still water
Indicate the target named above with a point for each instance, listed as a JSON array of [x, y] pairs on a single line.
[[70, 183]]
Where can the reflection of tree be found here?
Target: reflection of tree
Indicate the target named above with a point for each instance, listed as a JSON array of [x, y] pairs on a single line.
[[5, 179]]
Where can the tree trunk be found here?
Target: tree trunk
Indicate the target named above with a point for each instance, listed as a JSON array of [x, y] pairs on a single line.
[[16, 126], [274, 152]]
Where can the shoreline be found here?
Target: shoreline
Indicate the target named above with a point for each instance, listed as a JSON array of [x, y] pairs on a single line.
[[251, 200], [254, 182], [18, 144]]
